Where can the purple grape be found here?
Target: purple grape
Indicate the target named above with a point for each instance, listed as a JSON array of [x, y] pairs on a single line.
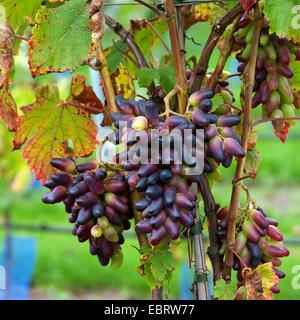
[[147, 169], [169, 196], [50, 184], [115, 186], [143, 226], [200, 118], [142, 186], [284, 55], [62, 178], [197, 97], [273, 81], [113, 216], [98, 210], [183, 202], [84, 216], [157, 220], [233, 148], [116, 203], [261, 58], [227, 161], [175, 121], [256, 100], [271, 66], [58, 194], [229, 120], [285, 70], [186, 219], [78, 189], [273, 102], [62, 164], [210, 132], [156, 206], [157, 235], [86, 166], [206, 105], [244, 21], [230, 133], [173, 212], [154, 192], [217, 149], [96, 186], [240, 41], [149, 110], [173, 228], [265, 92]]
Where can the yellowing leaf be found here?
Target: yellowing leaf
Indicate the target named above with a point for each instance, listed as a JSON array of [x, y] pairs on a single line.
[[8, 109], [53, 127], [123, 83], [259, 282], [193, 14], [61, 40]]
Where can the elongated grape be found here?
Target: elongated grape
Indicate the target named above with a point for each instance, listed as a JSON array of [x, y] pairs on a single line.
[[101, 174], [153, 178], [107, 248], [62, 164], [297, 54], [198, 96], [174, 121], [116, 203], [222, 213], [244, 21], [242, 66], [45, 197], [96, 186], [258, 218], [247, 51], [165, 176], [212, 118], [142, 186], [183, 202], [98, 210], [154, 192], [149, 110], [157, 235], [156, 206], [240, 41], [78, 189], [113, 216], [273, 102], [186, 219], [264, 37], [233, 148], [278, 124], [169, 196], [62, 178], [173, 228], [141, 205], [284, 55], [256, 100], [270, 51], [240, 242], [261, 58], [206, 105], [284, 86], [265, 92], [58, 194], [86, 166], [273, 81], [250, 231], [147, 169], [285, 70], [158, 220], [274, 233], [143, 226], [240, 58], [84, 216], [200, 118], [173, 212], [217, 149], [229, 120], [210, 132], [115, 186]]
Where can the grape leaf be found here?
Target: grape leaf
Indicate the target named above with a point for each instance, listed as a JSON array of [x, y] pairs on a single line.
[[7, 42], [295, 66], [61, 39], [144, 36], [123, 83], [247, 4], [259, 282], [8, 108], [223, 290], [193, 14], [114, 57], [47, 127], [284, 18], [156, 265], [20, 12]]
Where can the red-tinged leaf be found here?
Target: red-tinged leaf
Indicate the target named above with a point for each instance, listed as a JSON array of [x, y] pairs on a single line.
[[7, 43], [284, 133], [61, 40], [247, 4], [259, 282], [8, 109], [51, 124], [84, 95]]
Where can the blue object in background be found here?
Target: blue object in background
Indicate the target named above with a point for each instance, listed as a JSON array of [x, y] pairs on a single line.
[[187, 278], [23, 261]]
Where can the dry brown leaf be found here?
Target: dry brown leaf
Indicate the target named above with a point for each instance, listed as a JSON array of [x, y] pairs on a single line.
[[97, 24]]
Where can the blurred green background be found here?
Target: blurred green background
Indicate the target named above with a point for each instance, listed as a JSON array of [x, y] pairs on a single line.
[[66, 270]]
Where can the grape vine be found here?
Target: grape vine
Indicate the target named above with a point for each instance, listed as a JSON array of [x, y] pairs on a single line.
[[167, 145]]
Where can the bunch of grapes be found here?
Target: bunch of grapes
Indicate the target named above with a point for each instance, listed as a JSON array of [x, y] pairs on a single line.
[[167, 200], [273, 73], [258, 241], [98, 206]]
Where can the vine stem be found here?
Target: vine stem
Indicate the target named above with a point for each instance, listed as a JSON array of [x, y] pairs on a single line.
[[225, 53], [181, 82], [217, 31], [106, 79], [80, 106], [249, 84], [158, 35], [273, 119]]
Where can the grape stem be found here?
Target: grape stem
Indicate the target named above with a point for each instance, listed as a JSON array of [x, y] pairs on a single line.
[[225, 53], [167, 99], [156, 11], [158, 35], [217, 31], [22, 38], [249, 80], [273, 119], [241, 260]]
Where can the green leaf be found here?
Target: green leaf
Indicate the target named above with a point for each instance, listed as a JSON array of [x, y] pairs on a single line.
[[61, 39], [284, 17], [295, 65], [115, 56], [18, 12], [223, 290], [146, 76]]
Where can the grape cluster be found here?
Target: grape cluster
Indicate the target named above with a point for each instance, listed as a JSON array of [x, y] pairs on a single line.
[[167, 201], [98, 206], [258, 241], [273, 73]]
